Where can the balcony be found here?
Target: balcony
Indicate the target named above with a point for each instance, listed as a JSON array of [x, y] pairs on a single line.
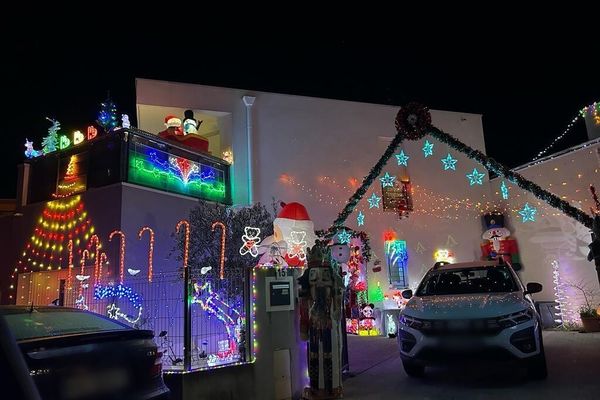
[[134, 156]]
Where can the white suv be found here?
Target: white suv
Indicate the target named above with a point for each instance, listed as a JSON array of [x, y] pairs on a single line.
[[476, 310]]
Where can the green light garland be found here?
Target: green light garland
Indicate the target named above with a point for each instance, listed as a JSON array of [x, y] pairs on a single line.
[[412, 123]]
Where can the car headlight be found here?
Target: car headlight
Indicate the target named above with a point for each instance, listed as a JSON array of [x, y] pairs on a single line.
[[506, 321]]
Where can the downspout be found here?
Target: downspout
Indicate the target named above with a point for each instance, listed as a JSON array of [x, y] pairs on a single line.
[[249, 102]]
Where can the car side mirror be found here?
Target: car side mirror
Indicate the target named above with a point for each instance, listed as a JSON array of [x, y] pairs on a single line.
[[533, 287], [407, 294]]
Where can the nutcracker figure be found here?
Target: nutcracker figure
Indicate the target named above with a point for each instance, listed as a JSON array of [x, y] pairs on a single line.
[[498, 243], [320, 294]]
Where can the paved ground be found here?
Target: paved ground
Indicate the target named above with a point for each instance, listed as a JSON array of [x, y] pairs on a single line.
[[573, 373]]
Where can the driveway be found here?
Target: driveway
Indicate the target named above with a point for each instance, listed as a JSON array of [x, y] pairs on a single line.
[[573, 373]]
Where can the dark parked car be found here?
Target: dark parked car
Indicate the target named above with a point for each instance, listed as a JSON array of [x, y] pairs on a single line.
[[76, 354]]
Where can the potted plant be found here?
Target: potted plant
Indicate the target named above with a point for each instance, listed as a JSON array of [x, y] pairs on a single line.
[[589, 318], [588, 313]]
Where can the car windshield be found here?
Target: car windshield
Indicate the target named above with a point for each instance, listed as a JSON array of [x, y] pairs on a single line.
[[45, 323], [468, 281]]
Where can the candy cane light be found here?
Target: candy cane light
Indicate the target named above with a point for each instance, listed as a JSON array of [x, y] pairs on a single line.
[[150, 249]]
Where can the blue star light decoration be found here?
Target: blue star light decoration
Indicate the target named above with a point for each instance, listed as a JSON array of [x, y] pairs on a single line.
[[449, 162], [428, 149], [475, 178], [360, 218], [387, 180], [504, 190], [402, 158], [344, 236], [374, 201], [528, 213]]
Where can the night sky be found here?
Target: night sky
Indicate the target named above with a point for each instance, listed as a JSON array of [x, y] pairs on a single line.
[[526, 93]]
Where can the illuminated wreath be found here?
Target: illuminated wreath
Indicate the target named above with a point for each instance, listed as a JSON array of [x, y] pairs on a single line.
[[413, 120]]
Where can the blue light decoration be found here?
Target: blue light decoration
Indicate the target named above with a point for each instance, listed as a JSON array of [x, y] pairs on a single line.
[[397, 261], [475, 177], [360, 219], [114, 292], [504, 190], [449, 162], [211, 302], [528, 213], [374, 201], [402, 158], [151, 167], [344, 236], [427, 149], [387, 180]]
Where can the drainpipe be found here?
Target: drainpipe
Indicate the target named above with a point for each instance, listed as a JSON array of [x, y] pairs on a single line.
[[249, 102]]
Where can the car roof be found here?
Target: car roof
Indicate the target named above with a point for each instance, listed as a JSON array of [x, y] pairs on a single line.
[[11, 309], [471, 264]]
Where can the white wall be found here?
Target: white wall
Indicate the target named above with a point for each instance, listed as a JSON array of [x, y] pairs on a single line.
[[307, 139], [554, 236]]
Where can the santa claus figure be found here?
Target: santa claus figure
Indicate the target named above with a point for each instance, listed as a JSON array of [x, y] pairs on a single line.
[[498, 243], [173, 125], [294, 234]]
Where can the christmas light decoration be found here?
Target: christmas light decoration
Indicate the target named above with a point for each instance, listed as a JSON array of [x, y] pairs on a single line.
[[449, 162], [101, 261], [397, 261], [211, 302], [50, 142], [580, 114], [186, 240], [120, 291], [63, 142], [150, 248], [528, 213], [360, 219], [374, 201], [475, 177], [559, 295], [70, 263], [61, 221], [297, 245], [107, 117], [125, 121], [402, 158], [444, 255], [376, 296], [392, 329], [121, 253], [504, 190], [133, 272], [30, 152], [78, 137], [91, 132], [155, 168], [427, 149], [250, 239], [344, 237], [71, 183], [387, 180], [254, 324], [222, 255]]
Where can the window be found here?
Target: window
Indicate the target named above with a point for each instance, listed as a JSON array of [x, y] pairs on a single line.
[[468, 281]]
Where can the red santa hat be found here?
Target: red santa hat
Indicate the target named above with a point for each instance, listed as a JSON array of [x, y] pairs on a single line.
[[294, 217], [172, 121]]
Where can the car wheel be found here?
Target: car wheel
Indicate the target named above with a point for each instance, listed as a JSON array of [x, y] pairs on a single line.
[[536, 366], [413, 369]]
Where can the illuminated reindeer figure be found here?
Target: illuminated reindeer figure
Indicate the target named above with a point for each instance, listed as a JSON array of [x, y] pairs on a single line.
[[211, 303]]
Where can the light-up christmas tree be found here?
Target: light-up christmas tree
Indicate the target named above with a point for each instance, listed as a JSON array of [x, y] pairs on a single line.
[[63, 221], [50, 142], [107, 117]]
